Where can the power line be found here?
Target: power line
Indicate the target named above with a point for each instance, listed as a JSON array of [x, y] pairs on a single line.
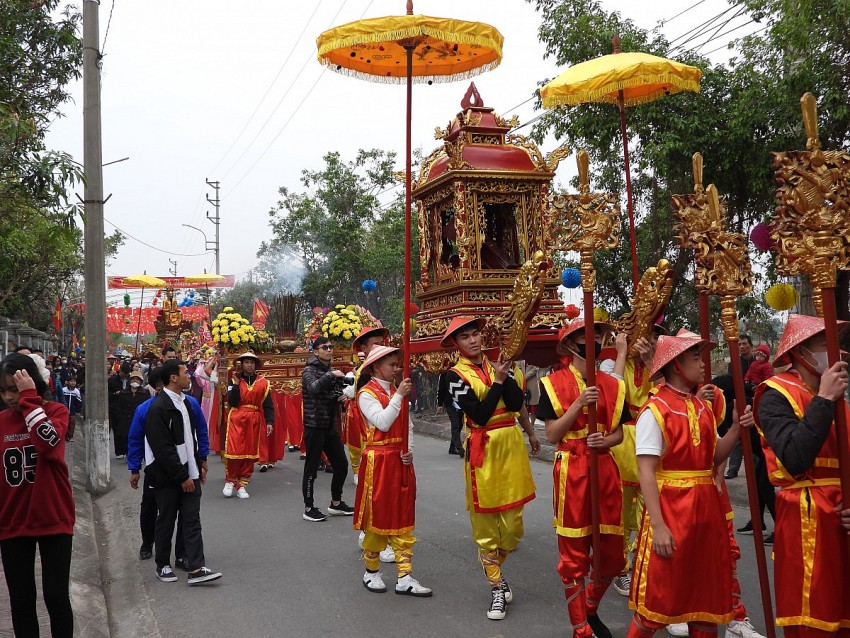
[[125, 233], [726, 46], [740, 26], [106, 35], [717, 31], [268, 90], [283, 128], [683, 12], [279, 102], [698, 30]]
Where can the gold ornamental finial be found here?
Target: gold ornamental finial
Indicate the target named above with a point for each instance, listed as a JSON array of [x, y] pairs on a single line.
[[585, 222], [696, 161], [811, 225], [810, 121]]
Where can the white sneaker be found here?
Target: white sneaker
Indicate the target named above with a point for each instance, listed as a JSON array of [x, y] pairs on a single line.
[[228, 490], [409, 586], [242, 493], [678, 629], [360, 537], [374, 582], [355, 478], [742, 629], [387, 555]]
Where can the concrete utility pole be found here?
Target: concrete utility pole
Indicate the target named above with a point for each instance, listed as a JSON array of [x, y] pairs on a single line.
[[215, 220], [97, 423]]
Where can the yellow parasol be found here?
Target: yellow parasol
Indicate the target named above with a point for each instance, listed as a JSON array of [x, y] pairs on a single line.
[[205, 278], [407, 49], [143, 281], [625, 79]]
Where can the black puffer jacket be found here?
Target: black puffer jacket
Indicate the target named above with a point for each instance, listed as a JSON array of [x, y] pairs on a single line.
[[321, 406]]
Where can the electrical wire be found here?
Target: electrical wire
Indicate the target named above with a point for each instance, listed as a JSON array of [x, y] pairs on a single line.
[[106, 35], [277, 106], [740, 26], [726, 46], [716, 32], [681, 13], [144, 243], [697, 31], [268, 90]]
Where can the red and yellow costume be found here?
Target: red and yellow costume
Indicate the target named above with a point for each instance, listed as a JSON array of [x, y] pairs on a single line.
[[246, 424], [354, 430], [572, 493], [695, 585], [638, 387], [385, 508], [810, 551], [497, 471]]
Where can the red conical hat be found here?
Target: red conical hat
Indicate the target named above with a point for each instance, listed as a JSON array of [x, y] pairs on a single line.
[[365, 331], [798, 329], [668, 348], [690, 334], [574, 326], [456, 324], [376, 353]]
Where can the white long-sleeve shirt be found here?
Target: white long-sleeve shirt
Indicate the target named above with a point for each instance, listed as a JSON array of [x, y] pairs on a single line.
[[376, 414]]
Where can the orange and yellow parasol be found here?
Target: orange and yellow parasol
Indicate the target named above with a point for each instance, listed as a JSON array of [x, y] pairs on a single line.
[[407, 49]]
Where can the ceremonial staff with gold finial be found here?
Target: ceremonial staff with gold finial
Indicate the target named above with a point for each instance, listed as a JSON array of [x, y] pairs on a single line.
[[588, 222], [811, 230], [723, 268]]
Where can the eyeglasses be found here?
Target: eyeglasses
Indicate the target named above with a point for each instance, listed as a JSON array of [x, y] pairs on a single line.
[[326, 346]]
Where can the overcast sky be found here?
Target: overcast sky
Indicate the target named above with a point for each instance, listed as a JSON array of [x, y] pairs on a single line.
[[181, 81]]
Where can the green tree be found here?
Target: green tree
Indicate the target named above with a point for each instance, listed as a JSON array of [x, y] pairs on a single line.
[[343, 235], [744, 111]]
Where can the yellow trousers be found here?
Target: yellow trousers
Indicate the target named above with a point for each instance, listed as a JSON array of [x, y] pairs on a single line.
[[632, 515], [497, 535], [354, 454], [374, 544]]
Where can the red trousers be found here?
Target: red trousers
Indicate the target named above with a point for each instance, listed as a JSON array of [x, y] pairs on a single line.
[[238, 471]]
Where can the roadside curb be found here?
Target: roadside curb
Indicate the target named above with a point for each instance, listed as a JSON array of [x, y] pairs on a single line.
[[87, 591]]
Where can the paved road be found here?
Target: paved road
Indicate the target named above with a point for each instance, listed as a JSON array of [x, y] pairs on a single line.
[[284, 576]]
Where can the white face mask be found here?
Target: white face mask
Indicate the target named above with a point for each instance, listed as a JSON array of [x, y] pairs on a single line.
[[135, 385], [821, 357]]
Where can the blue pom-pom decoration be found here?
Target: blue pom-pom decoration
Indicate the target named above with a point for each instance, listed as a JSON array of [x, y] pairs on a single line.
[[571, 278], [369, 285], [191, 294]]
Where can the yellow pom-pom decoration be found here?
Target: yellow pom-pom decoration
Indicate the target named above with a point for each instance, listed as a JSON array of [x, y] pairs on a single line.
[[600, 314], [781, 296]]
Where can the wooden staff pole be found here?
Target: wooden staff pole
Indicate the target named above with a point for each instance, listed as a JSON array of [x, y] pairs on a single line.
[[729, 318], [405, 405], [705, 333]]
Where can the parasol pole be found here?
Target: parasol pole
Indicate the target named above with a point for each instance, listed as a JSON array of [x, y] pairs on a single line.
[[405, 405], [705, 333], [825, 248], [139, 324], [629, 202]]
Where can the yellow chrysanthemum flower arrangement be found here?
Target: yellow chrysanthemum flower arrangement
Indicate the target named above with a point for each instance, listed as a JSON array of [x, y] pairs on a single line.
[[342, 324], [229, 328]]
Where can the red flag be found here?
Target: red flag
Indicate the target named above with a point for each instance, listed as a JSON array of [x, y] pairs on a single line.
[[204, 332], [260, 315], [57, 316]]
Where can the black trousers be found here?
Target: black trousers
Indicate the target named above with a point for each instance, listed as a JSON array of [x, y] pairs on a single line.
[[19, 570], [147, 520], [170, 501], [330, 442], [766, 491], [457, 425]]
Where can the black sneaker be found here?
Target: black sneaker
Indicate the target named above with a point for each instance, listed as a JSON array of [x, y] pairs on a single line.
[[166, 574], [730, 475], [768, 539], [509, 595], [293, 448], [598, 627], [748, 528], [314, 515], [202, 575], [340, 509], [329, 469], [264, 467], [497, 604], [145, 552], [181, 563]]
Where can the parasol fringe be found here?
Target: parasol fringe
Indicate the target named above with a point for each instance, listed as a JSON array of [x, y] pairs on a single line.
[[608, 92], [411, 32], [417, 79]]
